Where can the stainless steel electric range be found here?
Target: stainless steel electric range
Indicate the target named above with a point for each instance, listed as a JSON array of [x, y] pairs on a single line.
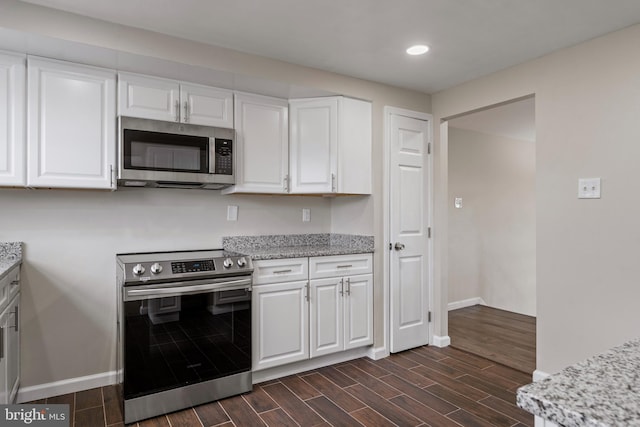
[[184, 329]]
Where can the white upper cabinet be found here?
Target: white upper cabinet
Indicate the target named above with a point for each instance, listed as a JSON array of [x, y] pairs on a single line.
[[71, 134], [12, 120], [330, 146], [203, 105], [262, 144], [169, 100], [148, 97]]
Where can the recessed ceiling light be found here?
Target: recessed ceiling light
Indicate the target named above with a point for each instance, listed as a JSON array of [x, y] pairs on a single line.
[[418, 49]]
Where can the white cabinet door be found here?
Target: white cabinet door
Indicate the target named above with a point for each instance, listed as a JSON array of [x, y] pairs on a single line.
[[148, 97], [12, 350], [155, 98], [203, 105], [314, 145], [12, 120], [326, 314], [4, 326], [72, 125], [358, 311], [280, 317], [262, 148], [354, 175]]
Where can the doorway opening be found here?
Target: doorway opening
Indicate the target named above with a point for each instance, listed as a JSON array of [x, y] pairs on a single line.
[[491, 233]]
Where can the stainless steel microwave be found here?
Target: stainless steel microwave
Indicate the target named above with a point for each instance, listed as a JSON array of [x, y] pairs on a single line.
[[154, 153]]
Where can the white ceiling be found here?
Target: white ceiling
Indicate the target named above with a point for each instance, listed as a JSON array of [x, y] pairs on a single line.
[[367, 38], [516, 120]]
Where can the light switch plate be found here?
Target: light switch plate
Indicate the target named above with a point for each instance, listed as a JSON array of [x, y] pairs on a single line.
[[589, 188], [306, 215], [232, 213], [457, 202]]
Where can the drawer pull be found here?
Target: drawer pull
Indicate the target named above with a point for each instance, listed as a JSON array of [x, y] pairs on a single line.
[[282, 271], [345, 266], [15, 283]]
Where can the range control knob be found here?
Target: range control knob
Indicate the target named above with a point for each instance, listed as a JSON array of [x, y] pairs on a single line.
[[156, 268], [227, 263], [242, 262], [138, 270]]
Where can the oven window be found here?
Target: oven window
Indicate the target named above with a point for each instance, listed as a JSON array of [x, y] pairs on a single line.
[[165, 152], [176, 341]]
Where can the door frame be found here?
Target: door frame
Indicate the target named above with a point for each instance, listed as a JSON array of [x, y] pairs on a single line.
[[388, 111]]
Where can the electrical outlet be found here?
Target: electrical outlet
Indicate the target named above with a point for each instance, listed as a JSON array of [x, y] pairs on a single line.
[[457, 202], [232, 213], [589, 188], [306, 215]]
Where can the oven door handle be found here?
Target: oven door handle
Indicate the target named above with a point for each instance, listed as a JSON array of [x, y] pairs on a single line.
[[170, 291]]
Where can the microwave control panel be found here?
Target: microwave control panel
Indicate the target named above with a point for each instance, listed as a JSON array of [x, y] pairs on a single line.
[[223, 157]]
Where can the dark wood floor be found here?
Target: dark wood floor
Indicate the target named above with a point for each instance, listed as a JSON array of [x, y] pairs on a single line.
[[501, 336], [426, 386]]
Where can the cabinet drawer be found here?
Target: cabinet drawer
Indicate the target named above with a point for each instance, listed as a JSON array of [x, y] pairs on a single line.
[[9, 286], [340, 265], [280, 270]]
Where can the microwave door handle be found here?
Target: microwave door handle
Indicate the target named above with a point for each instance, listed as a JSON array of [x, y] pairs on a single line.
[[212, 155]]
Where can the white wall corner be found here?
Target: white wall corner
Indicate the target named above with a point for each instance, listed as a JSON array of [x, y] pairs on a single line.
[[465, 303], [438, 341], [71, 385], [539, 375], [377, 353]]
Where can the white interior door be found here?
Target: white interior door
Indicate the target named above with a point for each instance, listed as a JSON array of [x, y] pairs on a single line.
[[409, 278]]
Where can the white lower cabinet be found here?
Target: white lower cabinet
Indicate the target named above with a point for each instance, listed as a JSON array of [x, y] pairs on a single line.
[[10, 337], [300, 319], [341, 302], [280, 317]]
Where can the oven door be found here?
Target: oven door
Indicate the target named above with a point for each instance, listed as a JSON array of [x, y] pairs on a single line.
[[144, 150], [181, 334]]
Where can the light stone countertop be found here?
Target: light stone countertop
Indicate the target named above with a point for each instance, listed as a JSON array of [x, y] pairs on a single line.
[[602, 391], [298, 245], [10, 256]]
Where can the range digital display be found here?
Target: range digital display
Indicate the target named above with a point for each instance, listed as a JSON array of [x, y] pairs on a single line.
[[192, 266]]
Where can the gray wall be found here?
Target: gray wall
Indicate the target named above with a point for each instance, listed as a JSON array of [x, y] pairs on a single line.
[[587, 99], [492, 240]]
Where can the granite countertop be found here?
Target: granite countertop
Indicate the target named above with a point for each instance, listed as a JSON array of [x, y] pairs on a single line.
[[298, 245], [603, 390], [10, 256]]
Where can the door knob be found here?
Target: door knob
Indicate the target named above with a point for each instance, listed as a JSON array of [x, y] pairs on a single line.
[[399, 246]]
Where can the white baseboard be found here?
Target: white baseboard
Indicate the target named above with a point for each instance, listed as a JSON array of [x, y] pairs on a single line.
[[438, 341], [378, 353], [465, 303], [539, 375], [71, 385]]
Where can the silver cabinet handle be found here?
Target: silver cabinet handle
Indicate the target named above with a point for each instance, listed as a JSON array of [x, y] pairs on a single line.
[[186, 112], [282, 271], [286, 183], [348, 287], [15, 317], [333, 182], [345, 266], [399, 246], [15, 283], [177, 111], [1, 342], [341, 287], [308, 293]]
